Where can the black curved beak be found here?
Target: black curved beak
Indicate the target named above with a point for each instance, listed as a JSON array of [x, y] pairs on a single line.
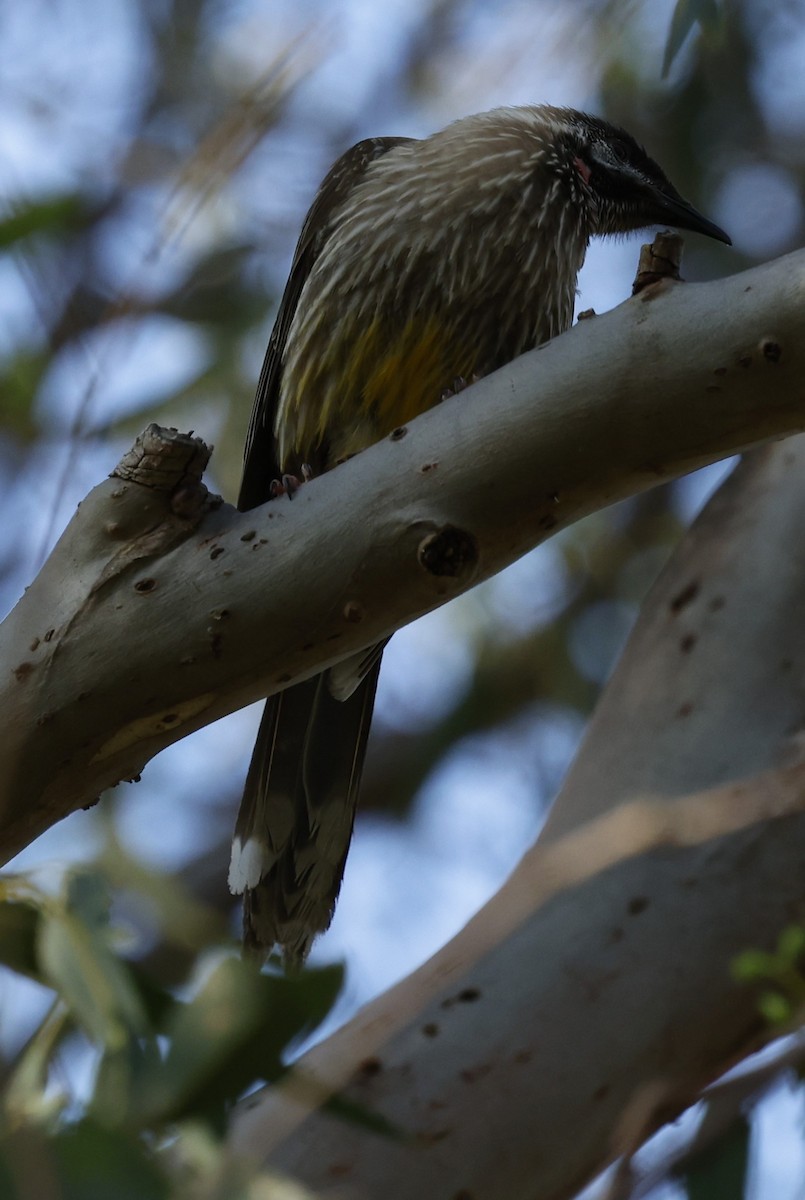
[[673, 210]]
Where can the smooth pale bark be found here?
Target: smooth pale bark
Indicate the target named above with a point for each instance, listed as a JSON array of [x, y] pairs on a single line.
[[713, 674], [137, 632], [592, 998]]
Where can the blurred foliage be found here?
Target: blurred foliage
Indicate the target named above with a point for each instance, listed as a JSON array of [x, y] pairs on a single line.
[[57, 217], [687, 15], [779, 976], [720, 1171], [168, 1064], [164, 193]]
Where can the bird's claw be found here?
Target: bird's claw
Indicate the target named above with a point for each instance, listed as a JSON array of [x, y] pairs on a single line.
[[289, 485], [458, 385]]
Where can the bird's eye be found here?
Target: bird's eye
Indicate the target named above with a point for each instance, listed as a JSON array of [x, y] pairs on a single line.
[[619, 152]]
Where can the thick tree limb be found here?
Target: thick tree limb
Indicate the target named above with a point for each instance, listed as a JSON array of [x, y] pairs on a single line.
[[587, 1004], [592, 998], [111, 655]]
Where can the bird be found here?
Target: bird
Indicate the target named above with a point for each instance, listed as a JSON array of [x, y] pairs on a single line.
[[422, 265]]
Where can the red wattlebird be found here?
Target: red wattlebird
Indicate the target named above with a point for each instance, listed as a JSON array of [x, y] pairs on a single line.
[[419, 263]]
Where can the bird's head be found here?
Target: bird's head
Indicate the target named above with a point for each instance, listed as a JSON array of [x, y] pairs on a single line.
[[621, 187]]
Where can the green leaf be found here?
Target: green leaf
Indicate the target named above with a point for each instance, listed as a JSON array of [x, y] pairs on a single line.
[[87, 898], [95, 1163], [687, 13], [753, 965], [719, 1172], [231, 1035], [19, 929], [775, 1008], [25, 1096], [83, 1162], [791, 944], [78, 961], [55, 215], [156, 1000], [20, 377], [119, 1080]]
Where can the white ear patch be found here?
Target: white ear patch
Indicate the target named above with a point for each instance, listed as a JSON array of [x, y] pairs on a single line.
[[247, 864]]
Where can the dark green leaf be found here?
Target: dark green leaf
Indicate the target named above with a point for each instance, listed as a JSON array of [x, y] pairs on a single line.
[[20, 377], [19, 929], [775, 1008], [791, 944], [752, 965], [79, 962], [157, 1001], [687, 13], [231, 1035], [88, 899], [44, 216], [84, 1162], [95, 1163], [719, 1172]]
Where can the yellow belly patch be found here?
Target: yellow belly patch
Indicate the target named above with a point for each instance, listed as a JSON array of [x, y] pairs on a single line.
[[375, 380], [408, 376]]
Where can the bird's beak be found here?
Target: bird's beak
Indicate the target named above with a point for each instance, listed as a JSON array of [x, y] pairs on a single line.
[[677, 212]]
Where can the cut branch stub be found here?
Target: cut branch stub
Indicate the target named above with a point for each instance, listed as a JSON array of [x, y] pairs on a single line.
[[161, 458], [661, 260]]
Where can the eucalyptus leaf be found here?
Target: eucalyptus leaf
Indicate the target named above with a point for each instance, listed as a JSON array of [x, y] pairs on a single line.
[[52, 216], [19, 928], [78, 960], [720, 1171], [25, 1093], [687, 13], [232, 1034], [96, 1163]]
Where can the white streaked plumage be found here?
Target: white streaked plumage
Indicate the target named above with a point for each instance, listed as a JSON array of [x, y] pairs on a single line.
[[453, 220], [419, 263]]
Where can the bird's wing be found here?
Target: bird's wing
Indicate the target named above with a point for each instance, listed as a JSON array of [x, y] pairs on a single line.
[[295, 820], [260, 464]]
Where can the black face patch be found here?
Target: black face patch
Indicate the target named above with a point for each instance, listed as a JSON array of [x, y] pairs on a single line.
[[620, 169], [620, 153]]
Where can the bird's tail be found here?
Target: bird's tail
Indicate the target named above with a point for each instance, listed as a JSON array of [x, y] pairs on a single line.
[[296, 816]]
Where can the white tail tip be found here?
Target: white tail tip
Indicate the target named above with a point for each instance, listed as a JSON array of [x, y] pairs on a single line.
[[247, 865]]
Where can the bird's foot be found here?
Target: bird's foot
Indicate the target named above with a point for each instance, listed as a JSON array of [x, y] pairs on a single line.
[[289, 485]]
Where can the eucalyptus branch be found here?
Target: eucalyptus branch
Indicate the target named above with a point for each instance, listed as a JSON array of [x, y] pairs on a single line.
[[159, 612]]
